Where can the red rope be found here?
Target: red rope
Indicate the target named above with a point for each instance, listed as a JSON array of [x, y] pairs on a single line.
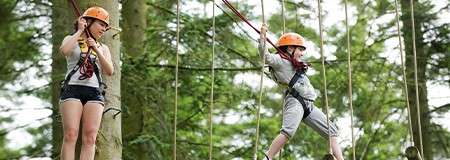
[[78, 14], [86, 68], [295, 63], [77, 11]]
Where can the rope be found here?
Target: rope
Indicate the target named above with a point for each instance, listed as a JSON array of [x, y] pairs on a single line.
[[75, 7], [86, 68], [280, 156], [284, 17], [323, 74], [211, 100], [260, 90], [405, 86], [415, 77], [296, 17], [176, 85], [296, 64], [349, 71]]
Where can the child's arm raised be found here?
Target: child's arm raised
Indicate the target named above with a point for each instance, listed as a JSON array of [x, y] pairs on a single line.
[[271, 59]]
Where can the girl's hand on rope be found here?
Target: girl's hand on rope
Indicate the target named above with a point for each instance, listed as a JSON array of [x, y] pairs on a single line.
[[91, 43], [81, 24], [263, 31]]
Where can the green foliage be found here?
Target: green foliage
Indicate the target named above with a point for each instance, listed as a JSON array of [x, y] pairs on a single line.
[[20, 55], [41, 138], [16, 44], [6, 152], [377, 94], [378, 101]]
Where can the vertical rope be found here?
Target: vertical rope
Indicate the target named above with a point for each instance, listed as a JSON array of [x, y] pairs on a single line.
[[211, 100], [176, 85], [405, 86], [324, 77], [349, 75], [255, 154], [296, 16], [280, 155], [284, 17], [415, 77]]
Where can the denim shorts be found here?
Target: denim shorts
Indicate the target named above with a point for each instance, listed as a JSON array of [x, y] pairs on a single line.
[[82, 94]]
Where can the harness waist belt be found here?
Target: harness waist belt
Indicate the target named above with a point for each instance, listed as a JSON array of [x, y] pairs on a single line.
[[306, 109]]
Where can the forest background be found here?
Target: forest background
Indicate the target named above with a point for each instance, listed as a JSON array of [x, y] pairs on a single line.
[[144, 54]]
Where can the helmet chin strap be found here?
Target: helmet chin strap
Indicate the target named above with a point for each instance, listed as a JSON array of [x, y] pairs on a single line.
[[88, 27], [291, 52]]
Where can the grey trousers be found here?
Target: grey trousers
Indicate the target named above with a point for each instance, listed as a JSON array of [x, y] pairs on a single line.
[[292, 116]]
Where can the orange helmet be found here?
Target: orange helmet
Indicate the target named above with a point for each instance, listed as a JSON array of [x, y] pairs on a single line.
[[291, 39], [97, 13]]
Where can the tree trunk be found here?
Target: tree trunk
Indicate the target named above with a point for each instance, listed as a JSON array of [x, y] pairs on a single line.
[[62, 17], [419, 19], [109, 138], [134, 13]]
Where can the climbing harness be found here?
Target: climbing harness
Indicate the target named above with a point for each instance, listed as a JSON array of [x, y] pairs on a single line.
[[306, 108], [87, 65], [95, 70], [86, 69]]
